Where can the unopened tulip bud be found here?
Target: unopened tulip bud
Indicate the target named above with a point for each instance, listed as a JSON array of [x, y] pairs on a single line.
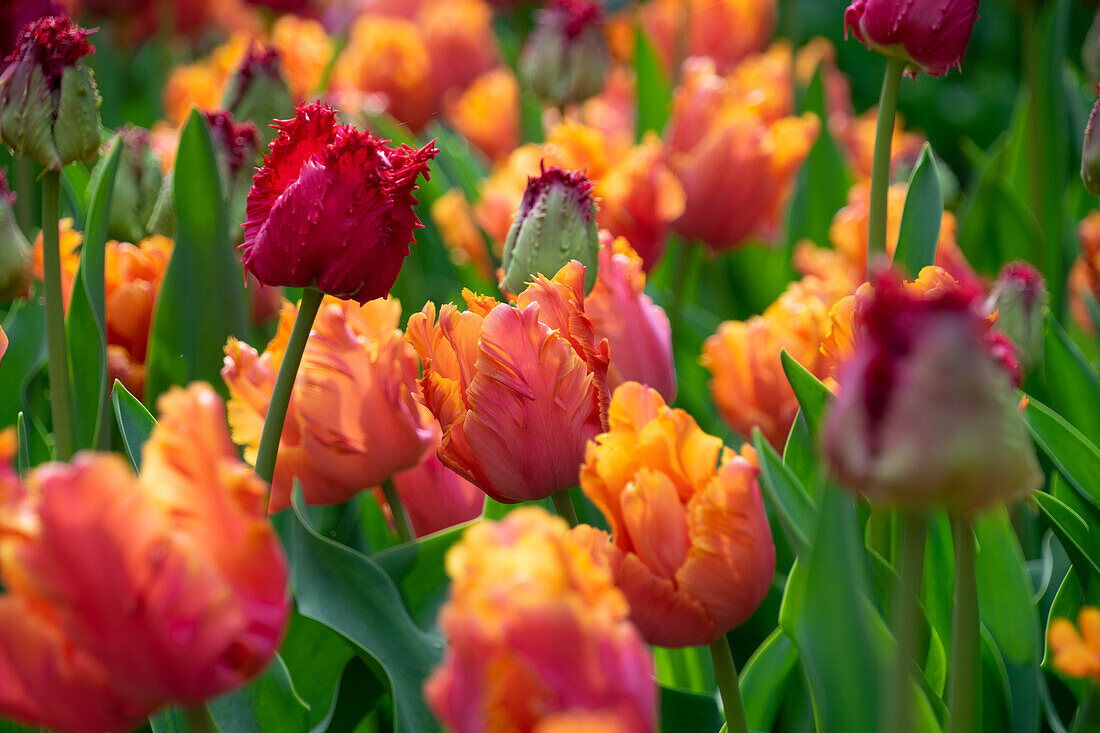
[[1090, 52], [15, 252], [1090, 155], [257, 92], [927, 414], [566, 58], [556, 223], [137, 186], [49, 107], [1019, 298], [931, 35]]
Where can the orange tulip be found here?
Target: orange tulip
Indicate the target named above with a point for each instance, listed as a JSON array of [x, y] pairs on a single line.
[[435, 497], [487, 113], [454, 218], [690, 545], [638, 332], [180, 564], [724, 30], [354, 419], [738, 123], [1084, 277], [1077, 653], [537, 637], [517, 390], [3, 343], [749, 384]]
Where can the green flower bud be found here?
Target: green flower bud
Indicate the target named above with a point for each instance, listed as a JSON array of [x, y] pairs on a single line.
[[556, 223], [15, 252], [1020, 299], [137, 186], [258, 92], [1090, 52], [1090, 155], [49, 107], [566, 57]]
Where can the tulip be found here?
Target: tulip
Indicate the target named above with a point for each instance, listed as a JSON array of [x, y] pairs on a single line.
[[675, 500], [1090, 154], [15, 253], [1090, 52], [454, 219], [566, 57], [556, 223], [1019, 299], [3, 343], [930, 35], [1077, 653], [436, 497], [180, 562], [487, 113], [137, 186], [748, 383], [537, 636], [257, 92], [724, 30], [17, 13], [637, 331], [49, 106], [332, 208], [353, 419], [1084, 277], [461, 44], [927, 414], [517, 390]]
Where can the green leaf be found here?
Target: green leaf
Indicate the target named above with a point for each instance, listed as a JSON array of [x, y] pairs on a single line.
[[796, 510], [350, 593], [1067, 604], [417, 570], [75, 180], [812, 395], [134, 422], [1004, 588], [1071, 452], [689, 668], [316, 657], [765, 678], [688, 711], [169, 720], [1075, 522], [654, 89], [922, 216], [1072, 384], [201, 302], [86, 323], [25, 357], [267, 703], [938, 585]]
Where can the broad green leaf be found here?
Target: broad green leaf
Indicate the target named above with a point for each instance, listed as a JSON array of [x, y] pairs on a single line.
[[169, 720], [938, 585], [821, 188], [86, 323], [201, 302], [1072, 384], [75, 178], [1004, 588], [350, 593], [1071, 452], [800, 455], [812, 395], [654, 89], [687, 669], [765, 678], [416, 568], [688, 711], [359, 694], [134, 422], [316, 657], [1071, 528], [922, 216], [456, 160], [25, 327], [796, 510], [268, 703], [993, 687]]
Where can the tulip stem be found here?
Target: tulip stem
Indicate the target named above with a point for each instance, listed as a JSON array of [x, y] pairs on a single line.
[[563, 504], [198, 719], [397, 509], [880, 170], [964, 632], [725, 671], [284, 383], [61, 405], [914, 528]]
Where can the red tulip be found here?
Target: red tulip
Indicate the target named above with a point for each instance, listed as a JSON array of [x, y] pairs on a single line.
[[932, 34]]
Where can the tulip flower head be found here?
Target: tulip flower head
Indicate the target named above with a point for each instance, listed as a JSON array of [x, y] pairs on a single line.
[[1090, 154], [125, 594], [927, 414], [1019, 299], [15, 251], [566, 57], [556, 223], [1077, 652], [518, 390], [537, 636], [137, 186], [49, 106], [690, 544], [257, 91], [435, 497], [931, 35], [332, 208], [3, 343]]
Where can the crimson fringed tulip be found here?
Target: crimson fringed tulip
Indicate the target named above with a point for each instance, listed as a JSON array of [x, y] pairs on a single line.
[[49, 107], [690, 545], [125, 594], [930, 34], [927, 414], [332, 208], [518, 390]]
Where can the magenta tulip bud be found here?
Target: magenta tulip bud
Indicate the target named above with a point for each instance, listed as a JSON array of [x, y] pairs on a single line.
[[928, 415], [930, 34]]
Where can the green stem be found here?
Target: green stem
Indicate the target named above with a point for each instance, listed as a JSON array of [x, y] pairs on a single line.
[[684, 265], [198, 719], [284, 383], [914, 528], [397, 509], [880, 170], [725, 671], [564, 507], [964, 632], [61, 405]]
